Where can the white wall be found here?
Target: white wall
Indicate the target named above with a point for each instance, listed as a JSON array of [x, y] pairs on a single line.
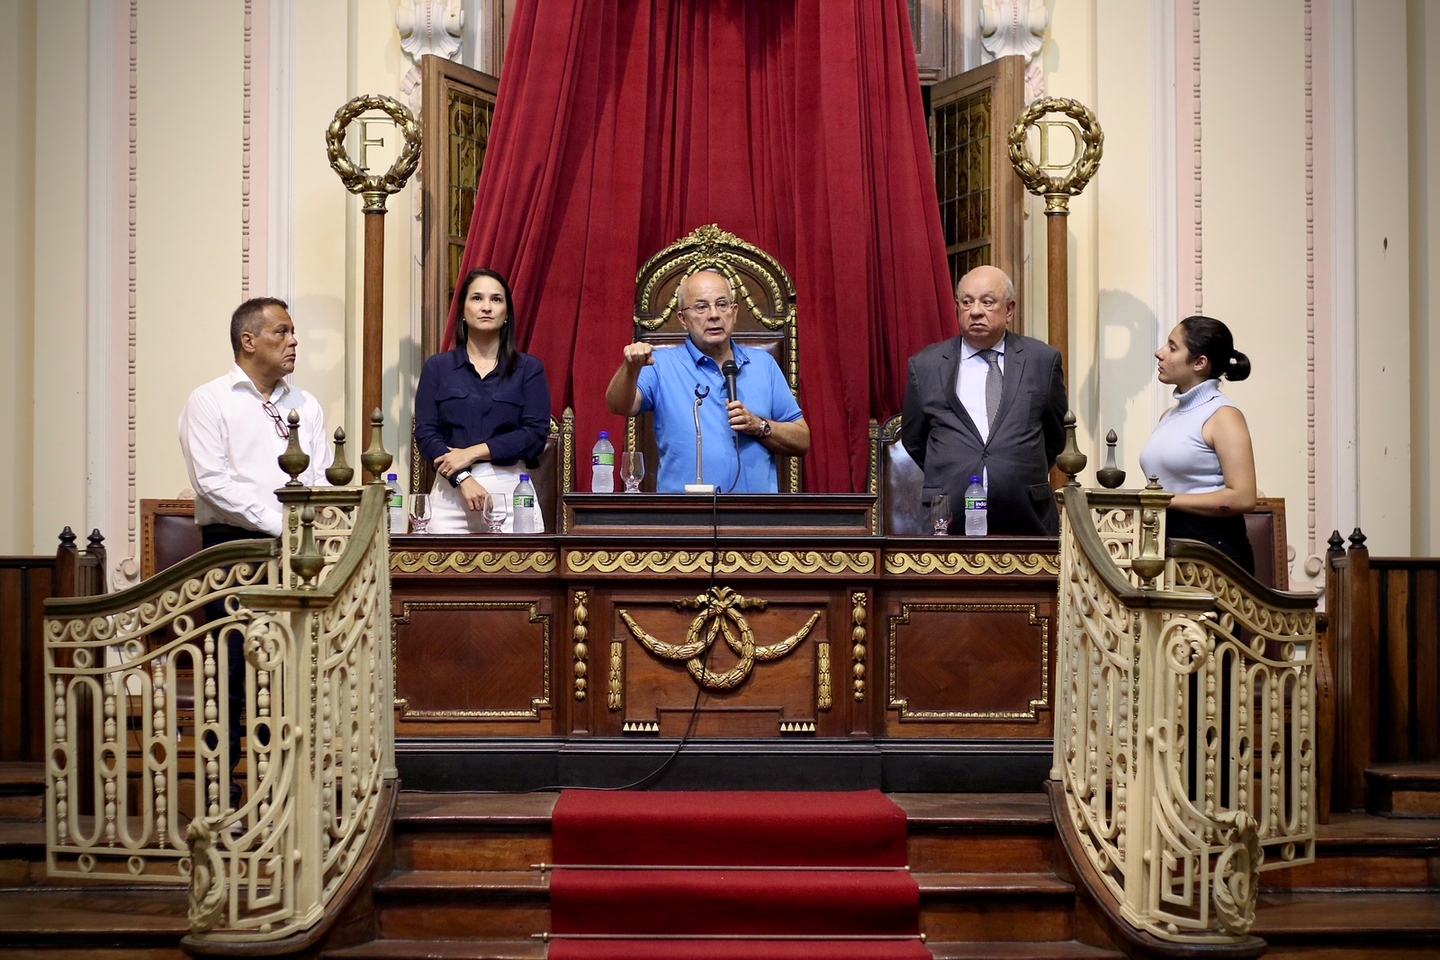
[[1253, 137], [17, 271], [188, 218], [57, 454], [1383, 275], [1423, 27]]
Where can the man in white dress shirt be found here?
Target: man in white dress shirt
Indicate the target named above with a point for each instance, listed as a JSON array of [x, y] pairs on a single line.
[[232, 431], [989, 403]]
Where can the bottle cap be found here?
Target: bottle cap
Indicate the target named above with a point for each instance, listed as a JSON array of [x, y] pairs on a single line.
[[524, 478], [392, 476], [974, 479], [604, 434]]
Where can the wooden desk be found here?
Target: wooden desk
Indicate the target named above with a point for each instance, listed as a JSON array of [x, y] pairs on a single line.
[[825, 654]]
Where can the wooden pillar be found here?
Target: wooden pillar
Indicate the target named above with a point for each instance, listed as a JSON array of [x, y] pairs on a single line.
[[373, 330], [1057, 217]]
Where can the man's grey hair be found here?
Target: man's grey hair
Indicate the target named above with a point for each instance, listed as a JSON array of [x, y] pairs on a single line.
[[1009, 285], [681, 291]]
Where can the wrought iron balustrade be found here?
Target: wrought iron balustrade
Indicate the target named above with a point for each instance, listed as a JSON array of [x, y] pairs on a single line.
[[138, 721], [1185, 728]]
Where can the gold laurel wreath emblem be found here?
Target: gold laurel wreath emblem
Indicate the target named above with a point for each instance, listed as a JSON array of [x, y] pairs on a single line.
[[1088, 136], [719, 609]]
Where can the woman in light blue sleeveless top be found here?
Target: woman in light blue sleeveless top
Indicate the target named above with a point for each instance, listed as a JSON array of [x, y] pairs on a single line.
[[1201, 449]]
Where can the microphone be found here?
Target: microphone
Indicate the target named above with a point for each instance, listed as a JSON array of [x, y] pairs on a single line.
[[700, 486], [730, 371]]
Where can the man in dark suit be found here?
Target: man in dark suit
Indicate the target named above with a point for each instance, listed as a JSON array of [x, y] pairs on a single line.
[[991, 404]]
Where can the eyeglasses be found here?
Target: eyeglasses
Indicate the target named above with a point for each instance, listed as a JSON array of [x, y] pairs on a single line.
[[986, 303], [702, 307], [273, 412]]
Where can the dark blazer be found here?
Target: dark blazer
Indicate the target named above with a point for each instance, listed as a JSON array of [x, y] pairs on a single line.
[[1026, 437]]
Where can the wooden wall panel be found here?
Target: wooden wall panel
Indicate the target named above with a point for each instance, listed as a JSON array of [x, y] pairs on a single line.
[[1427, 664], [977, 665], [25, 583], [478, 661]]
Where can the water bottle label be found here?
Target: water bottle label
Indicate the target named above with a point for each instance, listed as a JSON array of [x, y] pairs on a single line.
[[526, 502], [603, 460], [975, 503], [397, 501]]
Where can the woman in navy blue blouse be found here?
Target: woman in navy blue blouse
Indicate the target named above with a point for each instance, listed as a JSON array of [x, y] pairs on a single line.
[[481, 410]]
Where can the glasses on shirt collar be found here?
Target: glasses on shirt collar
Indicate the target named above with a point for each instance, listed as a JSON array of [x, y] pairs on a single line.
[[282, 429]]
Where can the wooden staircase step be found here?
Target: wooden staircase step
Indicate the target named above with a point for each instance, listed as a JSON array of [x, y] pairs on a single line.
[[1053, 950], [93, 918], [450, 810], [442, 950], [962, 833], [1403, 789], [1358, 851], [992, 885], [1322, 917], [442, 884], [22, 790], [16, 775]]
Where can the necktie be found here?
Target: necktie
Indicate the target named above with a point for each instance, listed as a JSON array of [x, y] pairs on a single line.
[[993, 385]]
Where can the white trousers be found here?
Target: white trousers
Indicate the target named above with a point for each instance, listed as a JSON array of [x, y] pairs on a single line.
[[449, 515]]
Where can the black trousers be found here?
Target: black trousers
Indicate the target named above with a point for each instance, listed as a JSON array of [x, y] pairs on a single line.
[[1226, 534], [233, 643]]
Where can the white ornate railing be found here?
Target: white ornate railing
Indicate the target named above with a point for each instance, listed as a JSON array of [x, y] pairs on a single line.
[[139, 754], [1184, 737]]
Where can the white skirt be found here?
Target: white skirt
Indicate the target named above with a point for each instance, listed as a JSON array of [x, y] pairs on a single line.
[[449, 515]]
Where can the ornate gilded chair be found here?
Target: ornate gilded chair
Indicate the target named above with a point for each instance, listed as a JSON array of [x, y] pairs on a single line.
[[895, 480], [765, 321]]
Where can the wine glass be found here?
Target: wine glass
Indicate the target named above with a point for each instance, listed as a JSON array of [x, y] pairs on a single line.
[[494, 509], [940, 514], [632, 470], [419, 512]]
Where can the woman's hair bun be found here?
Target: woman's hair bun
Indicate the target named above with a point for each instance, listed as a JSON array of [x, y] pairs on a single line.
[[1239, 366]]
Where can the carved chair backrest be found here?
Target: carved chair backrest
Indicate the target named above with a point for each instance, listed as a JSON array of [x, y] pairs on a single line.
[[895, 480], [765, 318]]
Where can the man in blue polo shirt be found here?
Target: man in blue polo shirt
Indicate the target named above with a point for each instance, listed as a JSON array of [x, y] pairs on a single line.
[[764, 420]]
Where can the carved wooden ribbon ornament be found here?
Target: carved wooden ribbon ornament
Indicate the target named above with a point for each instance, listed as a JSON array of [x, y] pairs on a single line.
[[719, 608]]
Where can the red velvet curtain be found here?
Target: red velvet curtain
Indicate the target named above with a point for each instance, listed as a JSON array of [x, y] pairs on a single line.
[[622, 125]]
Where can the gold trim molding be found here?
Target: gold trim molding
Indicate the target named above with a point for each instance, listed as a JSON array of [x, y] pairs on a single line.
[[975, 564], [858, 633], [1036, 620], [731, 561], [474, 561], [537, 704], [580, 634]]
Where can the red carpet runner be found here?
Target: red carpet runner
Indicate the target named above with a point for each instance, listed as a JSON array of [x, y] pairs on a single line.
[[800, 913]]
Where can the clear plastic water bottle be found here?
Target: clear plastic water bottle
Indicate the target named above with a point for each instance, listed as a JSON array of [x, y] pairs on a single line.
[[977, 523], [524, 506], [397, 504], [602, 463]]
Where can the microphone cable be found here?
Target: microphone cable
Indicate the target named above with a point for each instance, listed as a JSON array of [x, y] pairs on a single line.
[[705, 663]]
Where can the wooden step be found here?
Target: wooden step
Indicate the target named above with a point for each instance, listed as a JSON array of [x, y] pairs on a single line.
[[995, 906], [22, 790], [1053, 950], [1359, 851], [463, 905], [473, 831], [1403, 789], [970, 832], [442, 950], [22, 853], [103, 921], [1349, 923]]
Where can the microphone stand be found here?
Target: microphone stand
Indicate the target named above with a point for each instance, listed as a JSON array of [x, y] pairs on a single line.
[[700, 486]]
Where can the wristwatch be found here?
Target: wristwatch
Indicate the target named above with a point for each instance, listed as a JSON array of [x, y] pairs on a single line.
[[764, 429], [460, 477]]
